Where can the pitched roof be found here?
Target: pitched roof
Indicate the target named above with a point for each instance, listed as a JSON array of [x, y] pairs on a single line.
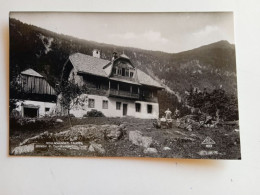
[[145, 79], [88, 64], [124, 80], [31, 72], [100, 67], [124, 56]]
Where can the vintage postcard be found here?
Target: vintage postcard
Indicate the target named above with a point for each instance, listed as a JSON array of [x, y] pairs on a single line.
[[123, 85]]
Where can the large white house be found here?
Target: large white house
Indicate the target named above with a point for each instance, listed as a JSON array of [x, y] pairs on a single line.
[[116, 88]]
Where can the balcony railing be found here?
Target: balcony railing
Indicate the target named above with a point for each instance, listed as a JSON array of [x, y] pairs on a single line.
[[124, 94]]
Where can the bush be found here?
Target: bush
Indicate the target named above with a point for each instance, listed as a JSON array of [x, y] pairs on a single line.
[[216, 101], [31, 124], [94, 113]]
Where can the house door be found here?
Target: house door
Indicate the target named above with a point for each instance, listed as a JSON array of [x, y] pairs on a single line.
[[124, 109], [31, 112]]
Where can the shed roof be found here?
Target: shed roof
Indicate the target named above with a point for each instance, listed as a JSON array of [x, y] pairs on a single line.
[[31, 72]]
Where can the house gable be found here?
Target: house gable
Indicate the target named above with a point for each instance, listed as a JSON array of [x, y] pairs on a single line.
[[120, 69], [36, 87]]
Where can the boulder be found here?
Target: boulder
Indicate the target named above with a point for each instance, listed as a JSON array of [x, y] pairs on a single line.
[[31, 121], [23, 149], [138, 139], [166, 148], [41, 138], [91, 149], [113, 134], [97, 148], [59, 120], [150, 151]]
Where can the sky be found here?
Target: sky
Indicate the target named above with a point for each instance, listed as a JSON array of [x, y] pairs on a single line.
[[168, 32]]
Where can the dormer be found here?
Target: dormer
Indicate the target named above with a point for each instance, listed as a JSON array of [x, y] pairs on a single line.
[[123, 67]]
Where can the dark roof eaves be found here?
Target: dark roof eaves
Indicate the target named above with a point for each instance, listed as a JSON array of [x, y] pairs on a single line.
[[81, 72]]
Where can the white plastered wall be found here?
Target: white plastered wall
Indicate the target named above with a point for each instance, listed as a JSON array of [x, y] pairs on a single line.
[[41, 105], [111, 111]]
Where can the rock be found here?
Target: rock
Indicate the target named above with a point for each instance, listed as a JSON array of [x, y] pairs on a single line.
[[97, 148], [150, 151], [137, 139], [166, 148], [32, 121], [59, 120], [146, 141], [185, 139], [181, 133], [123, 125], [91, 149], [236, 130], [84, 133], [189, 128], [23, 149], [41, 138], [89, 132], [188, 139], [114, 134]]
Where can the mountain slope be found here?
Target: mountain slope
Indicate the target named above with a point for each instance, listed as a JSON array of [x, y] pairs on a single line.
[[209, 66]]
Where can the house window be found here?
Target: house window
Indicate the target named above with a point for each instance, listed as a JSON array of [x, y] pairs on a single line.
[[118, 105], [127, 73], [47, 109], [123, 71], [119, 71], [131, 74], [115, 71], [91, 103], [149, 108], [105, 104], [137, 107]]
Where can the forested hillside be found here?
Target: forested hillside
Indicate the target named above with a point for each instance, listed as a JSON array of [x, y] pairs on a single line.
[[210, 66]]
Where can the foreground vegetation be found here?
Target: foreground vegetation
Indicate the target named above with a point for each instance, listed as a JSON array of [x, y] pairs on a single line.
[[182, 143]]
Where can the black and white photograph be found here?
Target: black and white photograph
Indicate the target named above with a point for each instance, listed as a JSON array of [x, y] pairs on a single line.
[[114, 84]]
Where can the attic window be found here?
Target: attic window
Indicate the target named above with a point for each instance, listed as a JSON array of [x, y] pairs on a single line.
[[115, 71], [123, 72], [119, 71]]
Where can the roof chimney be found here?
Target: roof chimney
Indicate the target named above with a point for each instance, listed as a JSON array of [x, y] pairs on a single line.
[[114, 56], [96, 53]]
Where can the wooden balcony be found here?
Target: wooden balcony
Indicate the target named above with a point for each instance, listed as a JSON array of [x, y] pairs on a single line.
[[122, 94]]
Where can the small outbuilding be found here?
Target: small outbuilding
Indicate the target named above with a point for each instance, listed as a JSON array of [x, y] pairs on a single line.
[[39, 97]]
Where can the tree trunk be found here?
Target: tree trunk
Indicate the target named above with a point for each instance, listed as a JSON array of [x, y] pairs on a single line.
[[69, 118]]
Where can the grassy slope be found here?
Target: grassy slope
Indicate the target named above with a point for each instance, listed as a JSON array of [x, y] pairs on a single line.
[[225, 139]]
